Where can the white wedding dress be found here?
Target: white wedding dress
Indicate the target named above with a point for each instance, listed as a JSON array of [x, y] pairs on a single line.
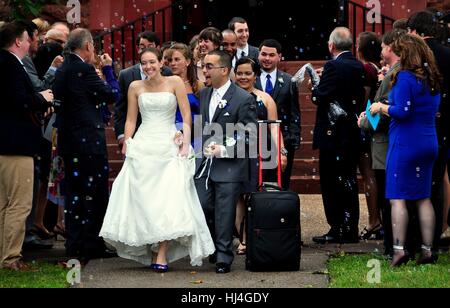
[[154, 198]]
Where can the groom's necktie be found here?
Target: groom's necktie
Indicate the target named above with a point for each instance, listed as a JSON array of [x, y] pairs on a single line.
[[215, 100], [269, 85]]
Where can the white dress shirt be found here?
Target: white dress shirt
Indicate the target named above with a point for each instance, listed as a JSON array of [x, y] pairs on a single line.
[[273, 77], [216, 97], [245, 50]]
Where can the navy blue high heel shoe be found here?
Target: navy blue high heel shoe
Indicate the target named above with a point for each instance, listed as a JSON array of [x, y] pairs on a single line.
[[160, 268]]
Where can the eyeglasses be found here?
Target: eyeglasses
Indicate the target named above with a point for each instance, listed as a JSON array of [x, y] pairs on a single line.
[[210, 66]]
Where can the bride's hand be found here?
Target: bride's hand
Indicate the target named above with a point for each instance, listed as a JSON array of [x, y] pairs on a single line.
[[184, 151], [124, 149]]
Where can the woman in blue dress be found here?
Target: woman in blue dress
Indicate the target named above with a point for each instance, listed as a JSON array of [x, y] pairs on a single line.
[[413, 147], [181, 62]]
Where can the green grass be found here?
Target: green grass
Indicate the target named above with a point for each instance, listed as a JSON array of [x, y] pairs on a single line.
[[41, 275], [351, 271]]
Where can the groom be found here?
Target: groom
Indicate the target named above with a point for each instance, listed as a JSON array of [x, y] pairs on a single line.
[[224, 165]]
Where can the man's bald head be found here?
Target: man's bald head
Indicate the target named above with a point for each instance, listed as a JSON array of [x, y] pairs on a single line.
[[54, 35], [63, 27]]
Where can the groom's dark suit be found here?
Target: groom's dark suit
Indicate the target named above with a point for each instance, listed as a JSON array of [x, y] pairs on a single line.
[[219, 187]]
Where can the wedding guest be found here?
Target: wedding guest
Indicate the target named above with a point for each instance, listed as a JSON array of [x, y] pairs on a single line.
[[43, 27], [246, 72], [63, 27], [52, 48], [35, 222], [182, 64], [240, 26], [82, 144], [229, 44], [380, 136], [413, 104], [170, 225], [20, 133], [368, 47], [339, 142], [208, 40], [194, 47], [424, 24], [284, 92]]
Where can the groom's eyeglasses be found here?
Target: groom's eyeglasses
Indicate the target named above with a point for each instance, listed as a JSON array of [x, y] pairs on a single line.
[[210, 66]]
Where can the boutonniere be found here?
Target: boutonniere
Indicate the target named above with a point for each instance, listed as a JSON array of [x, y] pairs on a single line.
[[230, 142], [223, 103], [281, 81]]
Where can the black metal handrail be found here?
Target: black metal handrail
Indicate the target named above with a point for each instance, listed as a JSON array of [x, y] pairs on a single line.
[[347, 5], [146, 22]]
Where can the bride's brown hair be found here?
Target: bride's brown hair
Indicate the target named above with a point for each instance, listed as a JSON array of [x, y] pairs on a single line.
[[152, 50]]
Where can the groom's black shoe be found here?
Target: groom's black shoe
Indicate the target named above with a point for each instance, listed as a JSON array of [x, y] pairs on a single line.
[[104, 254], [327, 238], [223, 268], [213, 259]]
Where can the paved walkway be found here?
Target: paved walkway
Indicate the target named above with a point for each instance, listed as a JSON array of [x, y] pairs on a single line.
[[119, 273]]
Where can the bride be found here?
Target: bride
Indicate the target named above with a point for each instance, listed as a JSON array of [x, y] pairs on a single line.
[[154, 215]]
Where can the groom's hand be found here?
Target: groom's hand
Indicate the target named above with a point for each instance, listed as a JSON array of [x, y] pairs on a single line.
[[213, 151]]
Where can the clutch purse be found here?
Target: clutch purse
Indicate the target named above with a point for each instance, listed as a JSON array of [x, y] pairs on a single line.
[[335, 112]]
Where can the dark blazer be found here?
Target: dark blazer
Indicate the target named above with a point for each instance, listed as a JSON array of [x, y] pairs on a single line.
[[20, 133], [240, 108], [285, 95], [342, 81], [126, 77], [442, 55], [253, 52], [82, 93], [45, 56]]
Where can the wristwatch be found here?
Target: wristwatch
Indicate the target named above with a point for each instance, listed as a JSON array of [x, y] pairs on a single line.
[[284, 152]]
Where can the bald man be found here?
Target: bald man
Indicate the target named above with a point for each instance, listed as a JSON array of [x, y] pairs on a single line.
[[55, 36], [229, 44]]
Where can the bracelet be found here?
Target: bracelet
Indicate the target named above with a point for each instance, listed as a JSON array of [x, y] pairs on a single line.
[[284, 152]]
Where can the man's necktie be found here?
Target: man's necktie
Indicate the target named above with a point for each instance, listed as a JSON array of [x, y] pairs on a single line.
[[215, 100], [269, 85], [243, 54]]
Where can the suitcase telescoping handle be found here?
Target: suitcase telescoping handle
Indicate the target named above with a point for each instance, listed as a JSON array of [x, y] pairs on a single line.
[[260, 167]]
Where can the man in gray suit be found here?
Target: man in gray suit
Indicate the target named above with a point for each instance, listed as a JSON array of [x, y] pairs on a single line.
[[126, 77], [224, 165]]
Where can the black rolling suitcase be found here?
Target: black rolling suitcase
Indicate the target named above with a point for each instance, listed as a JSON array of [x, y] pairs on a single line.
[[273, 226]]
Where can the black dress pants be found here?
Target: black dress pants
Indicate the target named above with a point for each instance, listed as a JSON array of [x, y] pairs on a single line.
[[86, 200], [339, 187]]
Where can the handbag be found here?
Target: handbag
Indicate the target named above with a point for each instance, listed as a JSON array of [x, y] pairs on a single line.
[[335, 112]]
